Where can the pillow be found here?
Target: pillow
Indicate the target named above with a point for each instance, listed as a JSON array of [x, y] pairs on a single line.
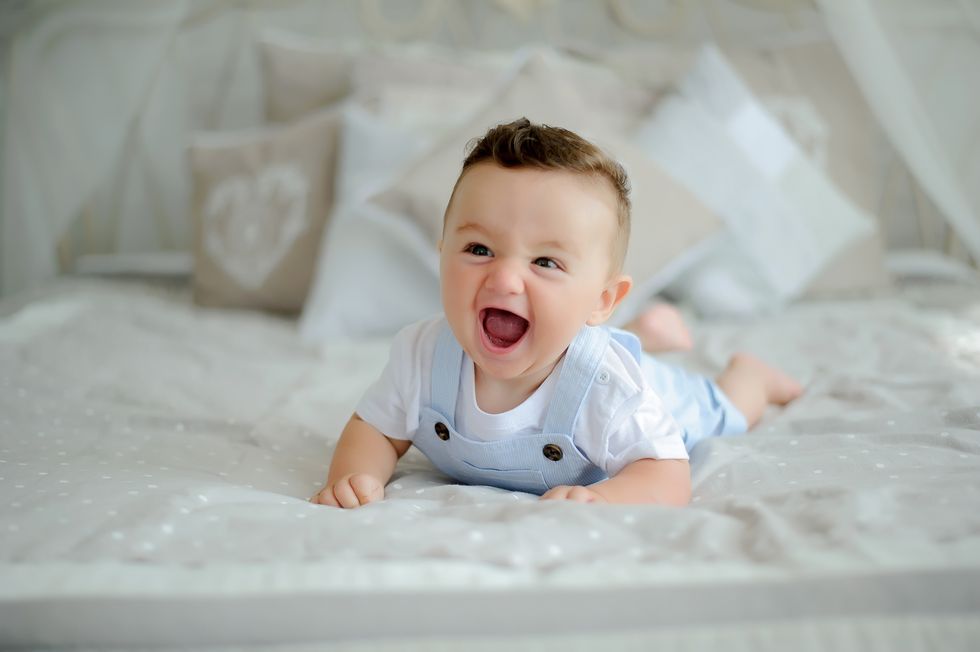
[[809, 89], [427, 66], [428, 111], [671, 230], [372, 150], [261, 199], [376, 273], [621, 101], [375, 245], [667, 219], [300, 75], [786, 220]]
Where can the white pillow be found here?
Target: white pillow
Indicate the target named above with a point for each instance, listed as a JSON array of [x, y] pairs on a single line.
[[354, 293], [786, 221], [365, 247], [391, 125], [372, 152]]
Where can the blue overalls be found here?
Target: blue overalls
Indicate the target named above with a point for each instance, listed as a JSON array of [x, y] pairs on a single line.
[[529, 463]]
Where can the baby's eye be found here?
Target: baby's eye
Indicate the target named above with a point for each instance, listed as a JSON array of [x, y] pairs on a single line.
[[546, 262], [477, 249]]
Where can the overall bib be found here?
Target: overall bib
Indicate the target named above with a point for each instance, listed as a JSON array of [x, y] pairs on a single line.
[[530, 463]]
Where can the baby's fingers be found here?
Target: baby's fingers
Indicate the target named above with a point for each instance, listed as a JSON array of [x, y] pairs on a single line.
[[345, 495], [366, 488], [358, 489], [583, 495], [324, 497], [556, 493], [576, 494]]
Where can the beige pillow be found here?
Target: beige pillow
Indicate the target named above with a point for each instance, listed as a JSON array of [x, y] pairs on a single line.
[[667, 219], [261, 200], [428, 67], [668, 223], [300, 76]]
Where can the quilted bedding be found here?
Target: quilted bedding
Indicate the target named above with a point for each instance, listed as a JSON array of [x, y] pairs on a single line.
[[155, 460]]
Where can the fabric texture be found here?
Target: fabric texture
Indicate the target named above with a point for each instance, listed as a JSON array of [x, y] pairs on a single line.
[[372, 151], [808, 88], [157, 458], [786, 221], [374, 245], [911, 66], [302, 75], [423, 66], [532, 463], [261, 201], [68, 107]]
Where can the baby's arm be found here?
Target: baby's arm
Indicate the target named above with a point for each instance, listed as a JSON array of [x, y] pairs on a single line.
[[665, 482], [361, 466]]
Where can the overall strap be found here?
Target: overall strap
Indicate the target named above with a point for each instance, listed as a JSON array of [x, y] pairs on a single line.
[[446, 365], [581, 361]]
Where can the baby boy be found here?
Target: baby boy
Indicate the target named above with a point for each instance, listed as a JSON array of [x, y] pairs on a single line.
[[518, 385]]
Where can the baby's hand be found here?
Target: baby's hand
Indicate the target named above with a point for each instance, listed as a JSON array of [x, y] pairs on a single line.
[[578, 494], [351, 490]]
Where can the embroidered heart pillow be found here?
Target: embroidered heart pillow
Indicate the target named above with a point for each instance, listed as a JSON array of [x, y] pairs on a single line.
[[251, 222], [261, 201]]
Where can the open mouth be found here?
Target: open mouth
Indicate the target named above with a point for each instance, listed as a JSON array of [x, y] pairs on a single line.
[[502, 328]]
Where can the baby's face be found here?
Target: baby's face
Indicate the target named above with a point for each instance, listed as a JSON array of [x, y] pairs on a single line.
[[525, 263]]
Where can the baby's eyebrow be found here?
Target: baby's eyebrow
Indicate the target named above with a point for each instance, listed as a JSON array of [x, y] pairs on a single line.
[[554, 244], [472, 226]]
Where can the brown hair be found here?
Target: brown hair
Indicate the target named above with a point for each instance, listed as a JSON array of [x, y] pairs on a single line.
[[522, 143]]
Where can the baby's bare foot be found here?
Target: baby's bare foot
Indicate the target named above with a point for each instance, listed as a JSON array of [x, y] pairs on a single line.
[[780, 387], [661, 328]]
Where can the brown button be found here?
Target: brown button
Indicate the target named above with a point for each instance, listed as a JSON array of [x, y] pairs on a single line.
[[442, 431], [552, 452]]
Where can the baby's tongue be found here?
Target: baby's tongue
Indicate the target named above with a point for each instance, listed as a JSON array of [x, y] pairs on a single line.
[[503, 327]]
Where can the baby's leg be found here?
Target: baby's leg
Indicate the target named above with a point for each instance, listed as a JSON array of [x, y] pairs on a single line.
[[661, 328], [752, 385]]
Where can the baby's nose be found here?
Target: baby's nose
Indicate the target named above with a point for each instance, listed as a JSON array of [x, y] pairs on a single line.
[[505, 278]]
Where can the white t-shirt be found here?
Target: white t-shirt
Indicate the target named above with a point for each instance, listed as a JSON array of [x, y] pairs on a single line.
[[622, 420]]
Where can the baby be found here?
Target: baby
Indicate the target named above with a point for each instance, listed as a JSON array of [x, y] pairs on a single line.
[[518, 385]]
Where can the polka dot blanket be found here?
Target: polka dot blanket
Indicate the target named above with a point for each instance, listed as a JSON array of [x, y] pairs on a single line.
[[153, 449]]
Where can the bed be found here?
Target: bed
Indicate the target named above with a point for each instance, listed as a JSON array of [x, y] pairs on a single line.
[[204, 264], [157, 458]]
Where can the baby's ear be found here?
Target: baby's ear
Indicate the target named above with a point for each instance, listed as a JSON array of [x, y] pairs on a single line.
[[614, 292]]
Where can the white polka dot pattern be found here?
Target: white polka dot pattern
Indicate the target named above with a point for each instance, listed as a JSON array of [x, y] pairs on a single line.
[[139, 429]]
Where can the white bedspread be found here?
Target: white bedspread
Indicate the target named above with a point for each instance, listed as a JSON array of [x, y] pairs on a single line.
[[153, 451]]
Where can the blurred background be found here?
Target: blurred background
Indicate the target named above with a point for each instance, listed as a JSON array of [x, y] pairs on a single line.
[[122, 121]]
